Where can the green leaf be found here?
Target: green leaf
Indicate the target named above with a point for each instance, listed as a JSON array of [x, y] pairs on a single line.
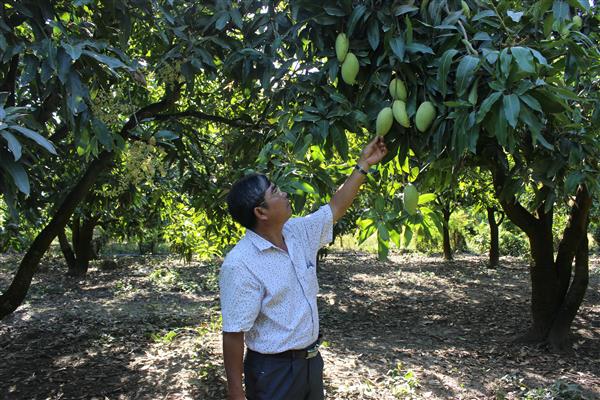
[[398, 47], [383, 232], [373, 34], [573, 180], [303, 187], [415, 47], [236, 17], [560, 8], [487, 104], [426, 198], [340, 141], [465, 72], [356, 15], [501, 129], [403, 9], [408, 234], [583, 4], [482, 36], [539, 57], [531, 102], [511, 108], [73, 51], [505, 61], [18, 174], [444, 68], [334, 11], [39, 139], [483, 14], [13, 144], [111, 62], [222, 20], [524, 58]]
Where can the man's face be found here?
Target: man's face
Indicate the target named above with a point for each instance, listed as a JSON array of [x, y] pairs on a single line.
[[276, 204]]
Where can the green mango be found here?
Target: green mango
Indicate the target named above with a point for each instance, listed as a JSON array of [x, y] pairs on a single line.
[[465, 9], [385, 118], [341, 46], [350, 69], [398, 89], [400, 115], [425, 115], [411, 198], [577, 22]]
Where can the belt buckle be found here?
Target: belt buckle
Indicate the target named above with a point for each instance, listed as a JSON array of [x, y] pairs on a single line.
[[312, 352]]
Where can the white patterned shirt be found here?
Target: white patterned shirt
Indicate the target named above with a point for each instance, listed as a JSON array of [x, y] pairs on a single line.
[[271, 295]]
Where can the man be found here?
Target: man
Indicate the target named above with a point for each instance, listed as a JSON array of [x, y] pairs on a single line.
[[269, 287]]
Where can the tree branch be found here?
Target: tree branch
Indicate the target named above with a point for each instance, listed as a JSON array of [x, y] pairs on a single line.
[[573, 234], [203, 116]]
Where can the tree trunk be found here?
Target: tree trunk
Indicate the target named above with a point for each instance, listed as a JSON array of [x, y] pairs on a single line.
[[66, 249], [83, 247], [446, 235], [554, 307], [559, 334], [16, 292], [544, 281], [494, 238]]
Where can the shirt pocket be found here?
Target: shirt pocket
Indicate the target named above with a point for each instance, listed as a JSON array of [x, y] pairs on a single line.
[[310, 278]]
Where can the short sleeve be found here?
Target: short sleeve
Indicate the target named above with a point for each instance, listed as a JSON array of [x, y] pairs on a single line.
[[241, 296], [318, 227]]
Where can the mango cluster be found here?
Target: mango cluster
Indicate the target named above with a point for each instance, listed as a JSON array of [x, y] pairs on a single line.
[[349, 61]]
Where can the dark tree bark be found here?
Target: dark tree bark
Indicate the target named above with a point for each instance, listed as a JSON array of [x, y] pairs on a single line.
[[16, 292], [446, 234], [66, 249], [494, 260], [556, 293], [83, 245]]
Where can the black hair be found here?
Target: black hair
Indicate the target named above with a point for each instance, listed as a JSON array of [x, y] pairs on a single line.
[[245, 194]]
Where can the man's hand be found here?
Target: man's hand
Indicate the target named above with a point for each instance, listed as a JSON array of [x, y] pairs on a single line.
[[373, 152]]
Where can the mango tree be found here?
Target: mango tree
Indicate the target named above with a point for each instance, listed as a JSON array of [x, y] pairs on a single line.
[[94, 75], [513, 87]]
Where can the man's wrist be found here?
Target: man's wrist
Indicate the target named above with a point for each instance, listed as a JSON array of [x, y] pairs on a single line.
[[363, 164]]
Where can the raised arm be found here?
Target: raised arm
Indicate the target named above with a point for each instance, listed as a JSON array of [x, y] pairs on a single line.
[[343, 197]]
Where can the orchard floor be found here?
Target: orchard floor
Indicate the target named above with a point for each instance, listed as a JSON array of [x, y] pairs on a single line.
[[414, 327]]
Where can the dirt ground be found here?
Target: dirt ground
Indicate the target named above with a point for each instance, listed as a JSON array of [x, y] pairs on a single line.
[[411, 328]]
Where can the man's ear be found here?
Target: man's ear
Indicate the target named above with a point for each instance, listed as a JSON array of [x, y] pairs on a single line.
[[260, 214]]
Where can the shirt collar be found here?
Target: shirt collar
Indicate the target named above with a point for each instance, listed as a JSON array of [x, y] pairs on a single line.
[[261, 243]]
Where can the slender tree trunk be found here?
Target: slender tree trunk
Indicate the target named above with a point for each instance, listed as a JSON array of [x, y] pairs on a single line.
[[16, 292], [446, 235], [544, 283], [83, 247], [559, 333], [66, 249], [494, 239]]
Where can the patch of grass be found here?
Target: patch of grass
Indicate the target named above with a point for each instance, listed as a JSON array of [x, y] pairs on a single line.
[[404, 383], [123, 286], [514, 385], [164, 338], [213, 325]]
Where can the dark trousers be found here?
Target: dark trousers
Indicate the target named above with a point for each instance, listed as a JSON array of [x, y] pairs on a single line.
[[276, 377]]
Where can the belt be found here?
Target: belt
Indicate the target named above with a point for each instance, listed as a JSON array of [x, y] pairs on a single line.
[[307, 353]]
